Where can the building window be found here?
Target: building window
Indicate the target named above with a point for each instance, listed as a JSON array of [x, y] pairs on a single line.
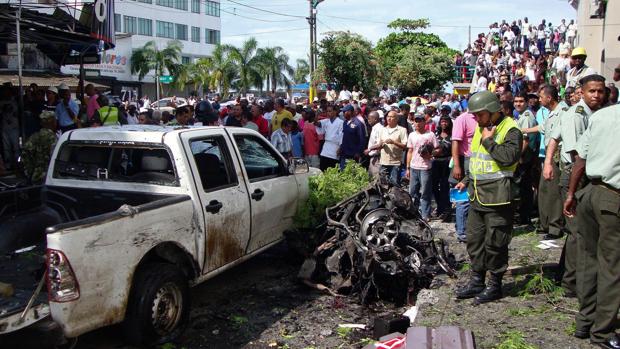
[[165, 29], [181, 32], [185, 60], [167, 3], [212, 36], [180, 4], [131, 26], [195, 34], [118, 27], [213, 8], [196, 6], [145, 27], [146, 1]]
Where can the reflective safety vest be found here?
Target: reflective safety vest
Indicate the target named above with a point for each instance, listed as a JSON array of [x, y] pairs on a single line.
[[482, 166], [108, 116]]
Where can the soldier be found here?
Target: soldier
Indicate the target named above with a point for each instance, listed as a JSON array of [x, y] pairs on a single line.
[[599, 227], [38, 149], [528, 153], [495, 152], [579, 70], [549, 204], [572, 124]]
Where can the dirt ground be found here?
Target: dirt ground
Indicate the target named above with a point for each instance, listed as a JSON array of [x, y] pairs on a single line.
[[261, 304]]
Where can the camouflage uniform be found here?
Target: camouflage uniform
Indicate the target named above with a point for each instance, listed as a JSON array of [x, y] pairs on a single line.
[[36, 154]]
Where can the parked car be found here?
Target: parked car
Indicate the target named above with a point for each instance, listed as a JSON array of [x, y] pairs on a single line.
[[130, 217], [163, 104]]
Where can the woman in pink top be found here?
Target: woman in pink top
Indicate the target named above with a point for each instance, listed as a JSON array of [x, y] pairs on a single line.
[[311, 139]]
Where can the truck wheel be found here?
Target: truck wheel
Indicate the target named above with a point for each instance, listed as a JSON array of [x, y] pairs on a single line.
[[158, 308]]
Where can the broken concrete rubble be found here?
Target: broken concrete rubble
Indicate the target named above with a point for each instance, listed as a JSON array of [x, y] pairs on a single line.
[[377, 246]]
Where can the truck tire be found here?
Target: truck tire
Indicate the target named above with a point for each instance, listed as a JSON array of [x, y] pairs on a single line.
[[158, 308]]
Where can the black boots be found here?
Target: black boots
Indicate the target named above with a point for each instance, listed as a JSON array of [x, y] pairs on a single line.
[[492, 292], [473, 287]]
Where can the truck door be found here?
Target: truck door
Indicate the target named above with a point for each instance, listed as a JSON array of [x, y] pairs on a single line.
[[272, 189], [223, 196]]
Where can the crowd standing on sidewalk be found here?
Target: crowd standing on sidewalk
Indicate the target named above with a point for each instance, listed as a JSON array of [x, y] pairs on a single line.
[[536, 137]]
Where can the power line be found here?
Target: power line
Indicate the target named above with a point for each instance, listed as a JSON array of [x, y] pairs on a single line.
[[258, 19], [266, 32], [263, 10]]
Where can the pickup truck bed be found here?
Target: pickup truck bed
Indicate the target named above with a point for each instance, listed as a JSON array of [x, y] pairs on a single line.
[[24, 216]]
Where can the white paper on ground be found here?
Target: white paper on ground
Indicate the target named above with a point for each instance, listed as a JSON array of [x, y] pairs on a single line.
[[411, 313]]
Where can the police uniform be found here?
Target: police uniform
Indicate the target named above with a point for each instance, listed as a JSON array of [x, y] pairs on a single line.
[[573, 124], [549, 195], [489, 184], [108, 116], [599, 225], [524, 170]]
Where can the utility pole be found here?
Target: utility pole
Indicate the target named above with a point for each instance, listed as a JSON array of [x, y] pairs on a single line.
[[20, 91], [313, 37], [469, 35]]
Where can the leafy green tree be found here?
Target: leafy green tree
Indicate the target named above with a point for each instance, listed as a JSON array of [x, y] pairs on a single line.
[[302, 70], [408, 52], [247, 64], [202, 74], [150, 58], [347, 59], [274, 63], [223, 69]]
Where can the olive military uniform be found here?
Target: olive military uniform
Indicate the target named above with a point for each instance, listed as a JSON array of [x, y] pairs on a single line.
[[36, 154], [489, 184], [599, 226], [573, 124], [549, 195], [524, 174], [489, 223]]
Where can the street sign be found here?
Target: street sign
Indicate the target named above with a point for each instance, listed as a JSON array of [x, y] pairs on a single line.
[[166, 79]]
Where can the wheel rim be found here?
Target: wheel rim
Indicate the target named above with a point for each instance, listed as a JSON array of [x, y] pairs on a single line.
[[167, 308]]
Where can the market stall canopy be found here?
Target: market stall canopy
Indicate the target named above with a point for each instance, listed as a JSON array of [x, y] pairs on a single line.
[[46, 80], [55, 34]]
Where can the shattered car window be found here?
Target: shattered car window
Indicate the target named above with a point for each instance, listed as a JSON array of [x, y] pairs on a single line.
[[118, 163], [258, 159]]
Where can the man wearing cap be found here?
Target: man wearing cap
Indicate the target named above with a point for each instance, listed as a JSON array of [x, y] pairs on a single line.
[[572, 125], [353, 137], [51, 98], [38, 148], [495, 152], [66, 110], [579, 68], [599, 225]]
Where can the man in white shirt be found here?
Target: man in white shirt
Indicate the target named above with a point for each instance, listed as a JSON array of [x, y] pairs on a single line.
[[571, 32], [482, 83], [345, 95], [332, 130], [330, 95], [374, 166], [384, 93]]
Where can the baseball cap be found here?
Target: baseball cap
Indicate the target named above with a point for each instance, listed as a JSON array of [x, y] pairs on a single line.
[[63, 86], [347, 108], [53, 89], [394, 105], [418, 116], [364, 101]]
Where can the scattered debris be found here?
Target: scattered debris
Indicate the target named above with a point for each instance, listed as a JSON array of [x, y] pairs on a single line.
[[446, 337], [360, 326], [547, 244], [376, 245]]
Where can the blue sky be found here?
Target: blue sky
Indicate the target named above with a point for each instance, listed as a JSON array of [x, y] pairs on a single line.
[[449, 19]]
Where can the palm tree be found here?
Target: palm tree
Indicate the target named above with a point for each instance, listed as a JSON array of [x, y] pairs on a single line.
[[301, 71], [275, 64], [150, 58], [202, 73], [248, 64], [223, 70]]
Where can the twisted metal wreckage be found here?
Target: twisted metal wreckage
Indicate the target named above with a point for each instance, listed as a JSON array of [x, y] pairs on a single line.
[[377, 246]]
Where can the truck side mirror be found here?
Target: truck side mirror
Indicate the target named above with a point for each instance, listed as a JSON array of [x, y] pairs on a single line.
[[297, 166]]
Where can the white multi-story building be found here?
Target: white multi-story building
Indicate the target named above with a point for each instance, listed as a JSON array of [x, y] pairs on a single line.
[[194, 23]]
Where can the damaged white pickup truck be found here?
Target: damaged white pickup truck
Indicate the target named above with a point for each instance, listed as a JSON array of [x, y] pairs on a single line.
[[130, 217]]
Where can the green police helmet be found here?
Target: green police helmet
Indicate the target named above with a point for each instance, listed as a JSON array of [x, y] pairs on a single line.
[[484, 100]]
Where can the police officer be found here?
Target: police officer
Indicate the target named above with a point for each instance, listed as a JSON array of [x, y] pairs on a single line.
[[579, 70], [573, 124], [495, 152], [107, 115], [599, 226]]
